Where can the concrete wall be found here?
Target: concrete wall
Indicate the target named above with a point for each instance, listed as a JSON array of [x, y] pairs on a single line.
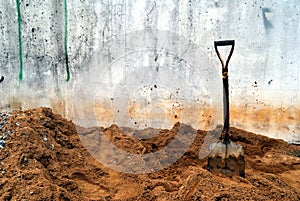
[[115, 49]]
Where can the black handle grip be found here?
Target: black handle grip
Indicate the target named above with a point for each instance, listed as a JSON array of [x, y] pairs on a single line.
[[224, 43]]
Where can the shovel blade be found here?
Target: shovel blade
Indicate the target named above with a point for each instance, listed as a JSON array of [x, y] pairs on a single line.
[[230, 162]]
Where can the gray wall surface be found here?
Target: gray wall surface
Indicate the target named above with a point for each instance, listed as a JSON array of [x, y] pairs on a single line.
[[151, 63]]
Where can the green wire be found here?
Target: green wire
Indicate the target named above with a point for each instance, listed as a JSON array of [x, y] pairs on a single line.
[[66, 40], [20, 40]]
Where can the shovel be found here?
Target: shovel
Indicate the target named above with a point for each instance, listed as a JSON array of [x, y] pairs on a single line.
[[226, 157]]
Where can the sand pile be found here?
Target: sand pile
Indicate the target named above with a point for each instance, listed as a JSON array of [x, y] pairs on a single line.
[[42, 158]]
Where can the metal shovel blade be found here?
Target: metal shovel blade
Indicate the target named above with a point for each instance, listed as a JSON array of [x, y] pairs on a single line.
[[229, 161]]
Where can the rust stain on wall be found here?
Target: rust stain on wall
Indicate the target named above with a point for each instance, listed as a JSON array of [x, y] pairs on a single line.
[[59, 107], [170, 112], [103, 113], [274, 122], [14, 104]]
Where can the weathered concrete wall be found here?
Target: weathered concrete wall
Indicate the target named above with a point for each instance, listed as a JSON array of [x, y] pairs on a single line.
[[108, 55]]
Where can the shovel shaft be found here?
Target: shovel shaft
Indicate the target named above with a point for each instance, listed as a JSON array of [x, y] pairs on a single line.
[[225, 85]]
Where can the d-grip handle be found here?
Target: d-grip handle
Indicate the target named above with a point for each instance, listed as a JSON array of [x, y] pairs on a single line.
[[224, 43]]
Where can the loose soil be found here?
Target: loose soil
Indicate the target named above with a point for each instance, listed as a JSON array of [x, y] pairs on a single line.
[[44, 159]]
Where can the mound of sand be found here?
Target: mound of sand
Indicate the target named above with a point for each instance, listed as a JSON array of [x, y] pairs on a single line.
[[42, 158]]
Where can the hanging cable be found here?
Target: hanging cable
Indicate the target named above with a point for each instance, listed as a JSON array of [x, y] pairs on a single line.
[[66, 40], [20, 40]]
